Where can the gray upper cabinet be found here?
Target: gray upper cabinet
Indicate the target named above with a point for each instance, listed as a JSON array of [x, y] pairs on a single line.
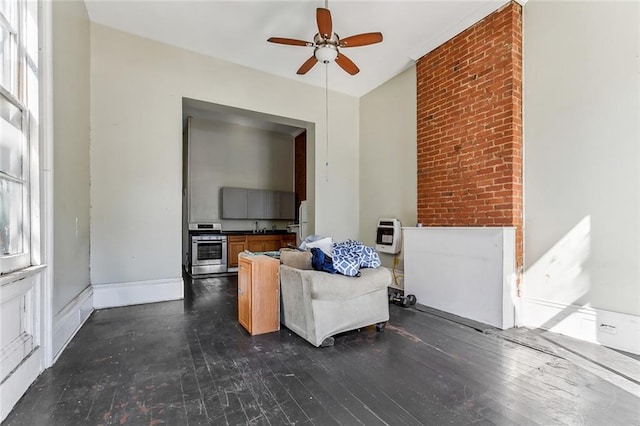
[[234, 203], [255, 200], [242, 203], [271, 203], [287, 205]]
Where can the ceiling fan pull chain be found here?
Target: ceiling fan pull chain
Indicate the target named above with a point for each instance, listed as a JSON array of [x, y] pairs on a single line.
[[326, 116], [326, 107]]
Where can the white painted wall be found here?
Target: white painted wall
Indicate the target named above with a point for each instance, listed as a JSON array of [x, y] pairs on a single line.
[[137, 87], [227, 154], [71, 153], [582, 156], [388, 163]]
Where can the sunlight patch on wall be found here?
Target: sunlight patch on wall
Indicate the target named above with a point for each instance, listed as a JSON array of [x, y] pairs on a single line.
[[561, 281]]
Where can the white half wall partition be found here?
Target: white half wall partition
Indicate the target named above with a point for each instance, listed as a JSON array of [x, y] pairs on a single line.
[[465, 271]]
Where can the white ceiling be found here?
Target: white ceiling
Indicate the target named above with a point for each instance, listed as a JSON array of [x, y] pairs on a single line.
[[237, 31]]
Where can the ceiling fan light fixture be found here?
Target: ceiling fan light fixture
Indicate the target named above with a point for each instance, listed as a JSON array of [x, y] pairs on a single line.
[[326, 44], [325, 54]]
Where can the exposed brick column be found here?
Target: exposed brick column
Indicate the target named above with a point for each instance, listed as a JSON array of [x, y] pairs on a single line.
[[300, 167], [469, 100]]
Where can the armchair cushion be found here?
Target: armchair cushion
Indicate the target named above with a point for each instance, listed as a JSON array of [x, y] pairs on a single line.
[[296, 259]]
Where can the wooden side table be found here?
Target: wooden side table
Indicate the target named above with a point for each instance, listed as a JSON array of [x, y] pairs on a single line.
[[258, 293]]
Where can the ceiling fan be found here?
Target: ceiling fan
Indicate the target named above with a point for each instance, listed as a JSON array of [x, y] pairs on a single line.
[[327, 44]]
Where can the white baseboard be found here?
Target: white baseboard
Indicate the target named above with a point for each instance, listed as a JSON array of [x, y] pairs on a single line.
[[137, 292], [17, 383], [67, 322], [611, 329]]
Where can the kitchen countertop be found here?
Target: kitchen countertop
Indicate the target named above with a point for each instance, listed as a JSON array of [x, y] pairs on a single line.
[[267, 232], [244, 232]]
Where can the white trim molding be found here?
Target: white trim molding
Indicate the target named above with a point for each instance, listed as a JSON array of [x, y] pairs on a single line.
[[611, 329], [46, 176], [67, 322], [21, 353], [16, 384], [137, 292]]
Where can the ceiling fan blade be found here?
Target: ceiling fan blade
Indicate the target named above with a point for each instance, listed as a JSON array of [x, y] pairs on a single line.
[[290, 41], [325, 26], [309, 63], [361, 40], [347, 64]]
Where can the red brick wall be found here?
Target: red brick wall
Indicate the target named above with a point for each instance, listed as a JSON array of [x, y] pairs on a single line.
[[469, 100], [300, 168]]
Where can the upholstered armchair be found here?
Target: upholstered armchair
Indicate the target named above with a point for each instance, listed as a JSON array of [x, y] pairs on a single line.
[[318, 305]]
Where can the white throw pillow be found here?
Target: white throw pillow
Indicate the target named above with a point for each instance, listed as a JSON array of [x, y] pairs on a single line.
[[324, 244]]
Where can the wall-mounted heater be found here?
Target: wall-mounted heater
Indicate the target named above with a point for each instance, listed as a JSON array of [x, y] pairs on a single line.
[[389, 236]]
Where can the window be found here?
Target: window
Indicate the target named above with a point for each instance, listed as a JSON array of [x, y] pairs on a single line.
[[18, 130]]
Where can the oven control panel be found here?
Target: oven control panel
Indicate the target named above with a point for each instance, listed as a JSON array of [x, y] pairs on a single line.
[[209, 226]]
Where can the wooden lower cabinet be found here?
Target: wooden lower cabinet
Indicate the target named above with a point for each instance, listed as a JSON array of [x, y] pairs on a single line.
[[288, 239], [258, 294], [235, 246], [258, 243]]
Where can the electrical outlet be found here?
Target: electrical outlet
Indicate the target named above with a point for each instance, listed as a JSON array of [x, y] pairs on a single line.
[[608, 328]]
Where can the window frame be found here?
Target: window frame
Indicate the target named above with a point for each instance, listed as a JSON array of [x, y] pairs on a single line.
[[18, 94]]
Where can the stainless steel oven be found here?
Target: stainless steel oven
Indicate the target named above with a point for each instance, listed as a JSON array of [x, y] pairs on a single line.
[[208, 251]]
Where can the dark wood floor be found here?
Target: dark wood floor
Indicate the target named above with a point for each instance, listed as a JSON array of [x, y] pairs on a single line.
[[190, 363]]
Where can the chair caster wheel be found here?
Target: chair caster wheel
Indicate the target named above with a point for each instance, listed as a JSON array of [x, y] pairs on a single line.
[[380, 326], [412, 299], [329, 341]]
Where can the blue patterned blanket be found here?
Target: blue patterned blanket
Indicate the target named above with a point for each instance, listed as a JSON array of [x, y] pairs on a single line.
[[349, 256]]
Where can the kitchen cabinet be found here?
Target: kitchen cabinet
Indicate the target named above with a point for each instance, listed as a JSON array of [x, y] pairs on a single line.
[[256, 243], [236, 244], [256, 199], [286, 205], [258, 294], [234, 203], [288, 239], [259, 243], [271, 205]]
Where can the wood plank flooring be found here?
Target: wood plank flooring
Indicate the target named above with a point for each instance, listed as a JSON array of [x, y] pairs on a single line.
[[190, 363]]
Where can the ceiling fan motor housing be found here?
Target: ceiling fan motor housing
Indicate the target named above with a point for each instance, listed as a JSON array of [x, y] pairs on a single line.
[[326, 49]]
